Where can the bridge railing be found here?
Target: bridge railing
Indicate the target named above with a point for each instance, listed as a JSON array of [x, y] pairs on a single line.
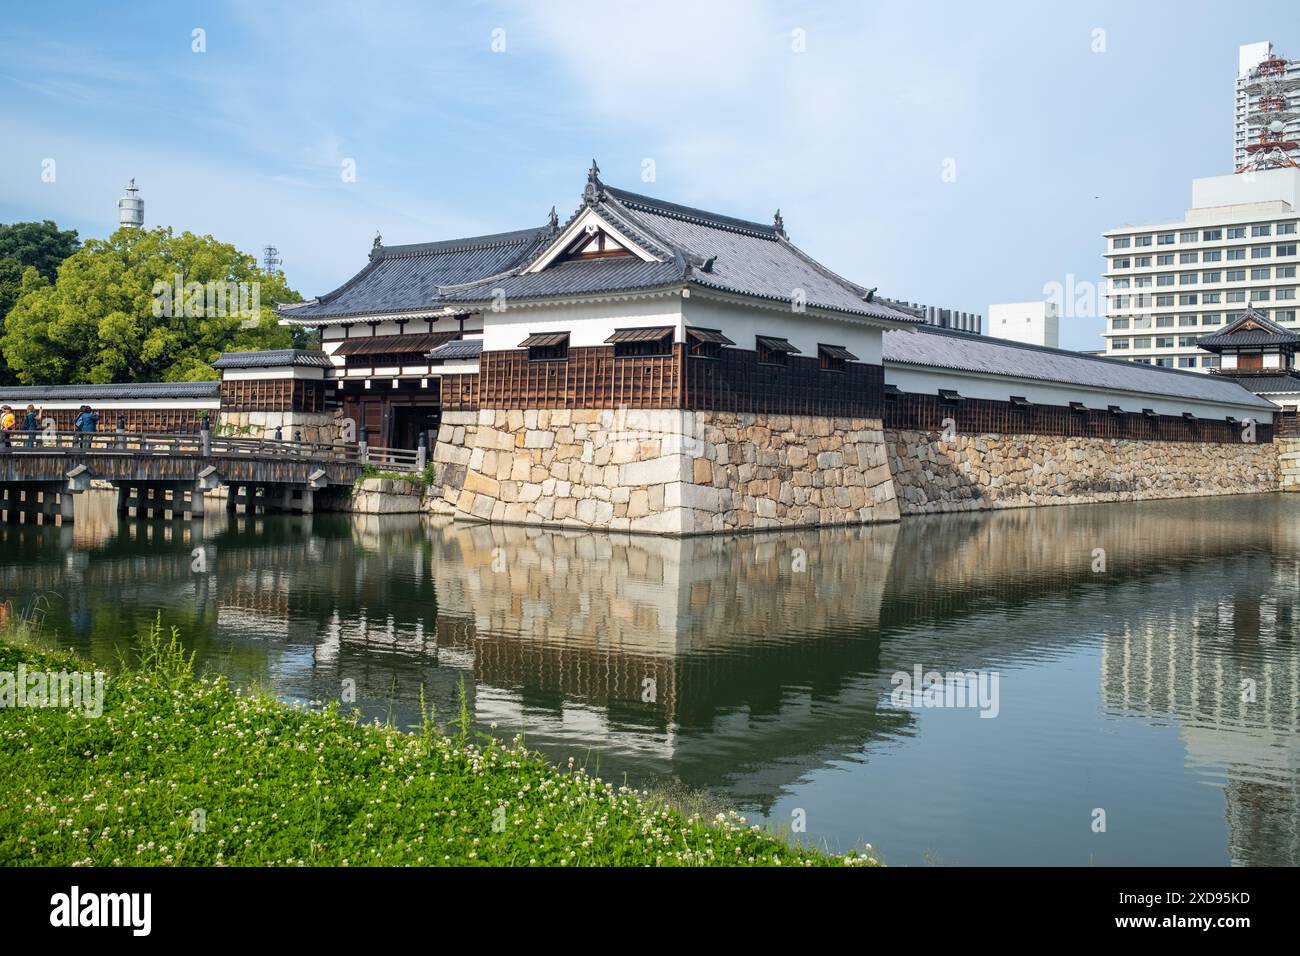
[[207, 444], [395, 459]]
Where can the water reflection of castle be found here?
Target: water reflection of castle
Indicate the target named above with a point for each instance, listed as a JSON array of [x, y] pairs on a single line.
[[770, 655]]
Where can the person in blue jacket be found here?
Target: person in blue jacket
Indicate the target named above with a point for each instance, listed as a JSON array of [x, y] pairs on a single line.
[[86, 423], [30, 421]]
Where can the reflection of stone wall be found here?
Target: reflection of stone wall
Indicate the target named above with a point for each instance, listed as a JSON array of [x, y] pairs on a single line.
[[974, 472], [663, 471], [321, 427], [651, 597]]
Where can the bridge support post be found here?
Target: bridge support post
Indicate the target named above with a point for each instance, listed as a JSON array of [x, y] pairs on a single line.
[[196, 500], [66, 502]]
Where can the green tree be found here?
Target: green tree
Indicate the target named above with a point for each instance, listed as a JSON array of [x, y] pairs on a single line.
[[143, 306], [41, 245], [23, 245]]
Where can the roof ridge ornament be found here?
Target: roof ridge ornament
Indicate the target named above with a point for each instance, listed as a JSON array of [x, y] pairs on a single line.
[[553, 221], [378, 246], [594, 186], [779, 225]]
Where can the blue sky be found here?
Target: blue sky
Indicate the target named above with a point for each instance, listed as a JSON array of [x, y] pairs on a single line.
[[1050, 142]]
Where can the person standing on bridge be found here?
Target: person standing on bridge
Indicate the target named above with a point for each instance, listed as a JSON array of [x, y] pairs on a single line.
[[7, 423], [30, 421], [86, 423]]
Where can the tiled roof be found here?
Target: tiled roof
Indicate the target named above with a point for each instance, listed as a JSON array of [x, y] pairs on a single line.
[[273, 358], [380, 344], [104, 393], [1264, 384], [401, 279], [698, 248], [575, 278], [1248, 337], [463, 349], [1252, 327], [690, 246], [959, 351], [747, 258]]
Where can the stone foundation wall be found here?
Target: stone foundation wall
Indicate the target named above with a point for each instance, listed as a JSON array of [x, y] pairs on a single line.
[[976, 472], [320, 427], [386, 496], [1288, 463], [662, 471]]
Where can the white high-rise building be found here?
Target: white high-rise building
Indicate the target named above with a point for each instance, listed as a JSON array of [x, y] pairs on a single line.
[[1034, 323], [1250, 56], [1167, 284]]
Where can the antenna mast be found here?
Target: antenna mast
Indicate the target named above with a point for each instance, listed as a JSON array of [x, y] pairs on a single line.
[[1271, 112]]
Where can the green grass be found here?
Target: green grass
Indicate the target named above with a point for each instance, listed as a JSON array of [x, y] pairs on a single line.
[[423, 478], [278, 785]]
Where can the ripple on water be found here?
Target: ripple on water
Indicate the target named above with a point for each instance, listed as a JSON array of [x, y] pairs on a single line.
[[1161, 688]]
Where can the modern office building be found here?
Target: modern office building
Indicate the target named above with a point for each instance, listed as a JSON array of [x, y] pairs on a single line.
[[1166, 285], [1034, 323], [1250, 57]]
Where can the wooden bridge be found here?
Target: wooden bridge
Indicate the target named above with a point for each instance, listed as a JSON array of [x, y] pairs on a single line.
[[165, 476]]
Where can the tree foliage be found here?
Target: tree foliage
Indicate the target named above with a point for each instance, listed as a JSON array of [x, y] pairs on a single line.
[[29, 245], [41, 245], [140, 306]]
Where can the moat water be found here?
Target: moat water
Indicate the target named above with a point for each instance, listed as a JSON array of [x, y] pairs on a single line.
[[1139, 662]]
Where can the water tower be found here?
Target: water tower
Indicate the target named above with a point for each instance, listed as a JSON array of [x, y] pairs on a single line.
[[130, 208]]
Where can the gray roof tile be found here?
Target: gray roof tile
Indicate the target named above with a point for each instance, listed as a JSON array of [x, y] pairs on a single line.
[[462, 349], [959, 351], [13, 395], [401, 279], [748, 258], [269, 358], [694, 246], [1265, 384], [576, 278]]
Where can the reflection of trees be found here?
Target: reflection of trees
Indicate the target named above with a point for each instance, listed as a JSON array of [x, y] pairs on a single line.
[[760, 672]]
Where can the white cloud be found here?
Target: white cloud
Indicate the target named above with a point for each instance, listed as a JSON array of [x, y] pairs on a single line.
[[322, 226]]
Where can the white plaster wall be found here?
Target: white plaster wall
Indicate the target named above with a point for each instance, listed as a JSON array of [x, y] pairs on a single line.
[[1283, 399], [804, 330], [332, 335], [998, 388], [278, 371], [588, 323]]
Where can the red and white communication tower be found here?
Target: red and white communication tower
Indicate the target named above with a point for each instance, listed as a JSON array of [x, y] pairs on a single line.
[[1274, 148]]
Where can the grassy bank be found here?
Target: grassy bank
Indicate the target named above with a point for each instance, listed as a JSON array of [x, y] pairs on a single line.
[[185, 770]]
